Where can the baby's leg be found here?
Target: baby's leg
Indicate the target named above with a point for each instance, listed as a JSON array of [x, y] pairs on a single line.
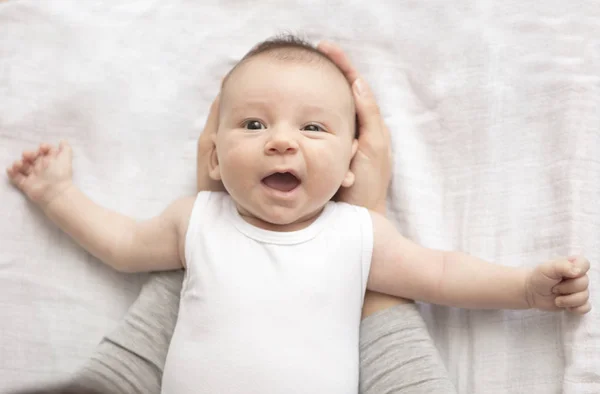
[[397, 355]]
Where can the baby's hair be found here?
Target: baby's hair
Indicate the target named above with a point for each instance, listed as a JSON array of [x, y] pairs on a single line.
[[284, 47], [288, 47]]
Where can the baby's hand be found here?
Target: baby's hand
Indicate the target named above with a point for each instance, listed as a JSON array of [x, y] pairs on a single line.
[[43, 174], [560, 284]]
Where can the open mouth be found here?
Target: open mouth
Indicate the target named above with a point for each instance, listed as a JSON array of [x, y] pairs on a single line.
[[282, 181]]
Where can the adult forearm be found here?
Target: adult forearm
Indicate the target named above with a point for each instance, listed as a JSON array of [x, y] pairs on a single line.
[[397, 355], [67, 388], [116, 370], [131, 359]]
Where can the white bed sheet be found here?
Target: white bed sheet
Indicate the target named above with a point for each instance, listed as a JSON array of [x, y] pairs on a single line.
[[495, 113]]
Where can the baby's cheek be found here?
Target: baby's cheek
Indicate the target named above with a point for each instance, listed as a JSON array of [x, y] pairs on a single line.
[[234, 158], [332, 174], [236, 171]]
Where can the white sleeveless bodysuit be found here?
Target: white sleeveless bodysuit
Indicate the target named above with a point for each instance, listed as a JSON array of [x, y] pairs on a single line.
[[270, 312]]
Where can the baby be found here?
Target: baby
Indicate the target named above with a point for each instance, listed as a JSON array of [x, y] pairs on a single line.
[[275, 270]]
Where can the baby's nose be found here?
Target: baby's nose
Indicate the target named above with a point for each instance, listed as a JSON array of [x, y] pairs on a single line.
[[281, 143]]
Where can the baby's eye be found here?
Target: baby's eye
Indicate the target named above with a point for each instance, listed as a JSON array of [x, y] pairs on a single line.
[[313, 127], [254, 125]]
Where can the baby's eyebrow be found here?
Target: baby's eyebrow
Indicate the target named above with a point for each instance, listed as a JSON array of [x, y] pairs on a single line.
[[305, 109], [318, 110], [254, 104]]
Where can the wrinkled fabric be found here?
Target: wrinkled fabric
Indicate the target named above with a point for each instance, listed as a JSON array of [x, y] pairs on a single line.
[[494, 109]]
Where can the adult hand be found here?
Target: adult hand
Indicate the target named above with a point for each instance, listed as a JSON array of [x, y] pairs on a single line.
[[206, 147], [372, 164]]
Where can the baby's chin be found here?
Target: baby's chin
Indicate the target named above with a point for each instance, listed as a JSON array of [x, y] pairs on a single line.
[[280, 218]]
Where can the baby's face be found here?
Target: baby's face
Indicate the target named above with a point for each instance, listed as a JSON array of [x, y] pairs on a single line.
[[285, 139]]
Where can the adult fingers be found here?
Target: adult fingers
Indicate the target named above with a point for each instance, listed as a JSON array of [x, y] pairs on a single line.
[[205, 140], [339, 57], [206, 150], [368, 112], [212, 122]]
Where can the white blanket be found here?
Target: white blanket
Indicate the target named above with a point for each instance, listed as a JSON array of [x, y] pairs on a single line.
[[495, 113]]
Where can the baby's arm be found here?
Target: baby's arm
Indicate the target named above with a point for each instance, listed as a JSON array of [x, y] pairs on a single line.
[[123, 243], [119, 241], [403, 268]]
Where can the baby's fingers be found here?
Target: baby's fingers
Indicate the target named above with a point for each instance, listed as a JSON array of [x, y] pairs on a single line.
[[580, 263], [15, 176], [581, 310], [26, 166], [29, 156], [17, 167], [560, 269], [10, 172], [44, 149], [571, 286], [574, 300], [64, 149]]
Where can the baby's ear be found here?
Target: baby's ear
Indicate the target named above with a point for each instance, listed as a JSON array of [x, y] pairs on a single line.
[[214, 170], [349, 177]]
